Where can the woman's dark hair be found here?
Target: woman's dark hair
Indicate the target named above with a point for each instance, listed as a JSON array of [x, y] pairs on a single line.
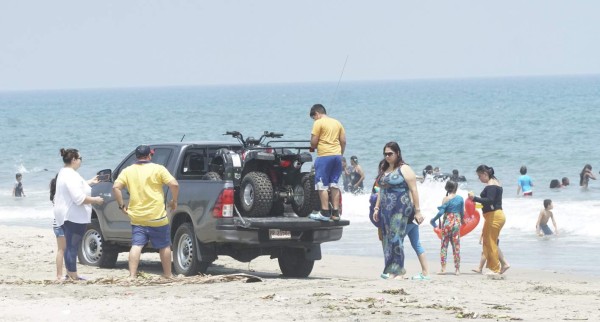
[[379, 174], [451, 187], [554, 184], [53, 188], [582, 174], [485, 169], [68, 155], [396, 148], [428, 170]]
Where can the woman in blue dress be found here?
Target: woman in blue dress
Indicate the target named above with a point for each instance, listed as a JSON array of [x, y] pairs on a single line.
[[397, 203]]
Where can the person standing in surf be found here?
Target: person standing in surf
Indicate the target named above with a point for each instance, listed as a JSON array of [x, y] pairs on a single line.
[[491, 199], [346, 175], [546, 214], [357, 176], [18, 188], [397, 202], [452, 209], [585, 176], [524, 184]]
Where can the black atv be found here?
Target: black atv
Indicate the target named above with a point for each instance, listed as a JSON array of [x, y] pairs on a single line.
[[267, 176]]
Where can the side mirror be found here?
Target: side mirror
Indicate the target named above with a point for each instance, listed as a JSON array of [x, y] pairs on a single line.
[[105, 175]]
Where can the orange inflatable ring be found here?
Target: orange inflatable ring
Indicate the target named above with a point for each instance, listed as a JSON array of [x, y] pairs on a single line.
[[472, 218]]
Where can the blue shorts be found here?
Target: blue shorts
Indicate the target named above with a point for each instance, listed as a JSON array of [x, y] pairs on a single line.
[[160, 237], [546, 229], [59, 231], [328, 170]]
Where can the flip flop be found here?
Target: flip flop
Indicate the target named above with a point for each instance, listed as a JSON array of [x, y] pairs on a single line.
[[420, 277], [384, 276]]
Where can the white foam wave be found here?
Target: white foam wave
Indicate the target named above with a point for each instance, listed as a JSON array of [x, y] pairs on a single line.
[[575, 217], [18, 213]]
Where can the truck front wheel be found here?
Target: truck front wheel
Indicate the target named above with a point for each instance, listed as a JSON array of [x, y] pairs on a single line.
[[256, 194], [93, 250], [293, 262], [185, 252]]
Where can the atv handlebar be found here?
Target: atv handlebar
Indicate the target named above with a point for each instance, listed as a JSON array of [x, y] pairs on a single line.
[[272, 134], [251, 141]]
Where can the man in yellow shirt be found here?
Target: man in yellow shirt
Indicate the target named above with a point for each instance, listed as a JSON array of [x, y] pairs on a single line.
[[329, 138], [149, 222]]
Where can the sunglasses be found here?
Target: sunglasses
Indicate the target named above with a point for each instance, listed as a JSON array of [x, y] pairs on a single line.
[[388, 154], [80, 158]]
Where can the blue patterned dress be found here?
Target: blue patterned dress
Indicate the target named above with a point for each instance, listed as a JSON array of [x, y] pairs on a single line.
[[395, 208]]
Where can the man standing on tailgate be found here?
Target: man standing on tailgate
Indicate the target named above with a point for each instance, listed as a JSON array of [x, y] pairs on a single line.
[[329, 138]]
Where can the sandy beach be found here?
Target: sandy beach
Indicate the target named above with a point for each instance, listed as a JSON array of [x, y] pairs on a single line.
[[340, 288]]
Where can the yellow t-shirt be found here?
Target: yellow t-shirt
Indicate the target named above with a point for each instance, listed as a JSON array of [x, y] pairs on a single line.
[[329, 131], [146, 197]]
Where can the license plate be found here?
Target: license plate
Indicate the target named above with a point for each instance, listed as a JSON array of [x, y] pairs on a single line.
[[280, 234]]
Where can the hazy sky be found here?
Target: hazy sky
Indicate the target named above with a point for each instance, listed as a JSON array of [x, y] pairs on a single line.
[[118, 43]]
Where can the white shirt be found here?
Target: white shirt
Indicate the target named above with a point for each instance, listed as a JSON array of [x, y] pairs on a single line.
[[71, 190]]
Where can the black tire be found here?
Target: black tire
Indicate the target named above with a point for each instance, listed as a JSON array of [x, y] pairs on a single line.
[[306, 198], [293, 262], [93, 251], [256, 194], [185, 252], [212, 176]]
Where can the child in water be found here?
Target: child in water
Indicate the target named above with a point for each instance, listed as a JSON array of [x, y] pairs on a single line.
[[18, 189], [542, 224]]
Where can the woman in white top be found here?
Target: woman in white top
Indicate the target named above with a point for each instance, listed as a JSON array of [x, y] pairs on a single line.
[[72, 206]]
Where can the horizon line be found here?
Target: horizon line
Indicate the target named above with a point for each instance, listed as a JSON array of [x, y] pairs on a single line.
[[60, 89]]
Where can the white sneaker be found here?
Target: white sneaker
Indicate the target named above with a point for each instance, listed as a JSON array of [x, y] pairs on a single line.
[[318, 216]]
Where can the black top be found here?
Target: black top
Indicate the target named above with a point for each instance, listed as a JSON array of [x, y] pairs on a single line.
[[491, 198], [19, 189]]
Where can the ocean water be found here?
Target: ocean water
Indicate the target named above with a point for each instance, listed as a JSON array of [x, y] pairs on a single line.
[[548, 124]]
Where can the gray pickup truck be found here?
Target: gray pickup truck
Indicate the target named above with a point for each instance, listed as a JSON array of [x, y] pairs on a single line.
[[206, 222]]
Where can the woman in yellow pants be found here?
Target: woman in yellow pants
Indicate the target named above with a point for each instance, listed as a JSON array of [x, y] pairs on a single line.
[[491, 199]]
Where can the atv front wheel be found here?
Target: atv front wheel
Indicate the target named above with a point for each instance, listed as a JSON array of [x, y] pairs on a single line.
[[256, 194], [212, 176], [305, 198]]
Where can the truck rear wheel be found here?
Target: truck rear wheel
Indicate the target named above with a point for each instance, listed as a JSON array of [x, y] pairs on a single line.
[[306, 198], [185, 252], [93, 251], [256, 194], [293, 262]]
